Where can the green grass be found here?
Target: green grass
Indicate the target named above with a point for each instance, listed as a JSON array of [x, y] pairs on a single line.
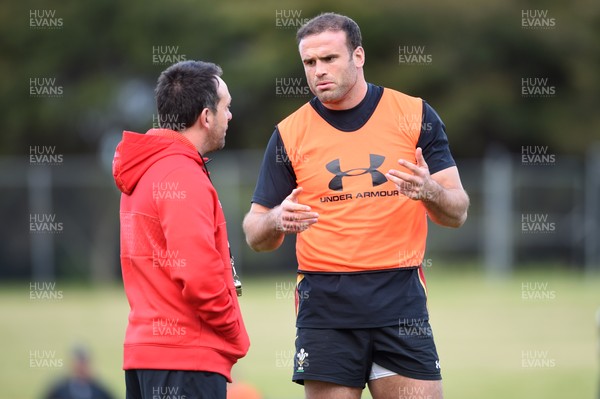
[[482, 330]]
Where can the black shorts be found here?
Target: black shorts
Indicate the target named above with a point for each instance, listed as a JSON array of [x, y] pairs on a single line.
[[345, 356], [174, 384]]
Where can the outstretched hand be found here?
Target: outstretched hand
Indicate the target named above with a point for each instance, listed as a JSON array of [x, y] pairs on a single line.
[[419, 185], [292, 217]]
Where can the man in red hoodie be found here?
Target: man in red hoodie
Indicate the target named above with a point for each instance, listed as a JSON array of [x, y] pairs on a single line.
[[185, 328]]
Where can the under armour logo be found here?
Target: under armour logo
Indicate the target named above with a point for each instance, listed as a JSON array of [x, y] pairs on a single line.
[[376, 176], [437, 364]]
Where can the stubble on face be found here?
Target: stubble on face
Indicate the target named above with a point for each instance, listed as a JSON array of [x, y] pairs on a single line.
[[218, 131], [331, 71], [340, 87]]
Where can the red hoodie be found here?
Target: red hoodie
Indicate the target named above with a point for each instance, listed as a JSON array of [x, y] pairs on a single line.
[[175, 259]]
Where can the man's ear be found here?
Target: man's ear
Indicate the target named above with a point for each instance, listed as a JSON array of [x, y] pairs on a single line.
[[204, 119], [358, 56]]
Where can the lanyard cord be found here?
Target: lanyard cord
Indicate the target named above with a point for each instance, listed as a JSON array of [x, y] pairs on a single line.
[[236, 279]]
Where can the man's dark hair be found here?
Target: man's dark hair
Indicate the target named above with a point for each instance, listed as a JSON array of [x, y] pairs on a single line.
[[334, 22], [184, 90]]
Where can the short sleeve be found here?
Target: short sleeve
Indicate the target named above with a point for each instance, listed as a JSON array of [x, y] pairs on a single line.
[[434, 141], [276, 178]]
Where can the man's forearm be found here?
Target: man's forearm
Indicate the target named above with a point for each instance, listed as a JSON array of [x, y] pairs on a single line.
[[448, 206], [265, 228], [262, 234]]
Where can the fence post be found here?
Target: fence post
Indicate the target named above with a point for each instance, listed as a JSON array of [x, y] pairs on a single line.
[[592, 204], [39, 191], [497, 205]]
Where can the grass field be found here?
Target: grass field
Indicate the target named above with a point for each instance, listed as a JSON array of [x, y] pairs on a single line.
[[530, 336]]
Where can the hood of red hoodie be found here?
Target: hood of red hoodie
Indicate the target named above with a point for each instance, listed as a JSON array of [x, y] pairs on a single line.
[[137, 152]]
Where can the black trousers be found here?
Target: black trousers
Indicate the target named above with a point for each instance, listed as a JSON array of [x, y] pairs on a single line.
[[174, 384]]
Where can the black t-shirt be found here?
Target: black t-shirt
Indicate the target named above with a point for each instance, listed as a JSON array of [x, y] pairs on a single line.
[[354, 300]]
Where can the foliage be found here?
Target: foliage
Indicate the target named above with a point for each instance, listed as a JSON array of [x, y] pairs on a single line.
[[102, 58]]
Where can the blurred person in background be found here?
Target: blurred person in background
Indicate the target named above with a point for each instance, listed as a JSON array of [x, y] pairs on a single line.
[[185, 328], [355, 173], [80, 384]]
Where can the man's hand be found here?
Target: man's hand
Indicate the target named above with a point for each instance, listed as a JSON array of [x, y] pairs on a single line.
[[442, 194], [292, 217], [265, 228], [418, 186]]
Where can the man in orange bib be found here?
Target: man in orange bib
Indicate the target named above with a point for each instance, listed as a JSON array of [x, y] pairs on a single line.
[[355, 173]]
